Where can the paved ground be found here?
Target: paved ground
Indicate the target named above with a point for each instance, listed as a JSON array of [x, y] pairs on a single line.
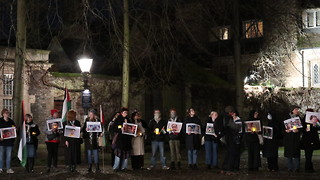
[[184, 173]]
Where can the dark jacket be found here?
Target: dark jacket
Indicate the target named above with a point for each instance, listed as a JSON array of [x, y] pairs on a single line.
[[32, 134], [123, 141], [6, 124], [153, 124], [270, 146], [90, 138], [310, 139], [174, 136], [217, 130], [291, 142], [231, 130], [193, 141]]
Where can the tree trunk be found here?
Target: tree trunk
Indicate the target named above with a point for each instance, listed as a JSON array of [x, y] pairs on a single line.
[[237, 57], [125, 66], [18, 81]]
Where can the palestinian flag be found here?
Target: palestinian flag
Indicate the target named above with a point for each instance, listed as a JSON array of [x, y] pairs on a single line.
[[22, 152], [102, 141], [66, 105]]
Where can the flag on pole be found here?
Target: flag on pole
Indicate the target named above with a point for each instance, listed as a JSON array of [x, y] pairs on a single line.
[[102, 141], [66, 105], [101, 115], [22, 152]]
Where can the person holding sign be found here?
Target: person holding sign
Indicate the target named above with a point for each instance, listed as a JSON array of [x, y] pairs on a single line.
[[121, 142], [32, 142], [6, 145], [157, 132], [193, 141], [91, 141], [270, 146], [310, 140], [52, 141], [72, 143], [174, 140], [137, 155], [252, 141], [291, 142], [211, 139]]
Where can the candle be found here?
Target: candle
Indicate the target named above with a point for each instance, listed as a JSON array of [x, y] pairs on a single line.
[[119, 126], [308, 127], [33, 133], [157, 131], [254, 129], [294, 127], [169, 130], [140, 134], [55, 127]]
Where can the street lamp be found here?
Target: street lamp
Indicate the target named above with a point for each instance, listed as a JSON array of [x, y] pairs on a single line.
[[85, 66]]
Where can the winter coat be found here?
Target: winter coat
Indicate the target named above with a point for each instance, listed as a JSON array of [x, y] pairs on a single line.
[[231, 130], [122, 141], [291, 142], [270, 146], [153, 124], [310, 139], [193, 141], [90, 138], [32, 133], [138, 141], [6, 124], [217, 130], [174, 136]]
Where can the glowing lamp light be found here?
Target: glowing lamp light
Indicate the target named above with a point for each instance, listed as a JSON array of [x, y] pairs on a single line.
[[85, 64], [157, 131]]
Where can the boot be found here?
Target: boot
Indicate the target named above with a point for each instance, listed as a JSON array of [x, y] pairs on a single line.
[[97, 168], [172, 166], [179, 165], [90, 168], [31, 161]]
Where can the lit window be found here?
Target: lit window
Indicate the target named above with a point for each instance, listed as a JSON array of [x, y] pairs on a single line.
[[8, 84], [7, 104], [312, 18], [316, 74], [219, 33], [253, 29]]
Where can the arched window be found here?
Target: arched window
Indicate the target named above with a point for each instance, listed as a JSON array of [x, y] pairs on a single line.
[[316, 74]]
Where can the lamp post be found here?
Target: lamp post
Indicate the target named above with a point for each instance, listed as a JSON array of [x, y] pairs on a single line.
[[85, 66]]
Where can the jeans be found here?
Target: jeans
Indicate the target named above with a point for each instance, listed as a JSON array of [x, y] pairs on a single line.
[[211, 153], [175, 150], [5, 153], [293, 163], [31, 150], [155, 145], [192, 156], [95, 154], [124, 163]]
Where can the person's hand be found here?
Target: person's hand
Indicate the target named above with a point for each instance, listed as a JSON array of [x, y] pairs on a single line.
[[189, 133], [67, 143], [1, 139], [288, 130], [295, 130], [215, 135], [54, 129], [87, 129]]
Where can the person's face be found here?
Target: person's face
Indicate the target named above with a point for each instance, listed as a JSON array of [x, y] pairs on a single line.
[[173, 114], [214, 115], [296, 111], [91, 115], [29, 119], [124, 113], [55, 115], [137, 116], [192, 112], [6, 114], [255, 115]]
